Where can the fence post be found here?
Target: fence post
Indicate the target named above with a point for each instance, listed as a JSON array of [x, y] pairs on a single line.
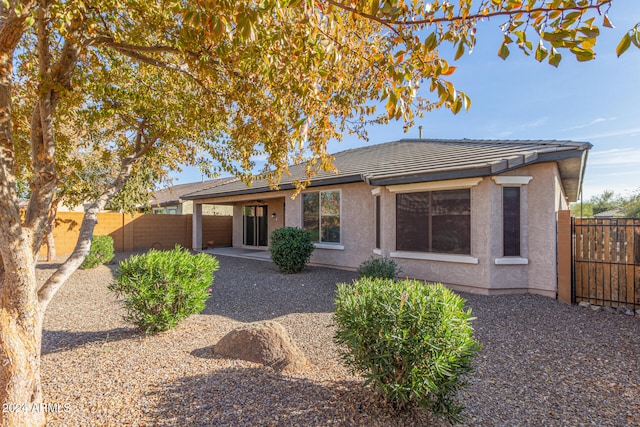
[[127, 232], [564, 256]]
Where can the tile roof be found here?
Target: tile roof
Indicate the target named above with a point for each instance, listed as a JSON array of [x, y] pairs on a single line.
[[173, 195], [613, 213], [420, 160]]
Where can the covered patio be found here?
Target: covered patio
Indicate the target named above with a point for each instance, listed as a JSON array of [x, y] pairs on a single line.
[[241, 252]]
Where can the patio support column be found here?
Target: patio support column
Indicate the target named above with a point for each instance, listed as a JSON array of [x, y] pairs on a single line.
[[196, 229]]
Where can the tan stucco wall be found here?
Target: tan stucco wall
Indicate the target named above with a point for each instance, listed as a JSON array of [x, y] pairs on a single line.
[[461, 276], [187, 208], [541, 198], [357, 225], [274, 205]]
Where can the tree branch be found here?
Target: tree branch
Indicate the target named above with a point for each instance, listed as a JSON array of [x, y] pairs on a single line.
[[12, 28], [138, 53], [80, 252], [141, 53], [108, 41], [55, 78], [459, 18]]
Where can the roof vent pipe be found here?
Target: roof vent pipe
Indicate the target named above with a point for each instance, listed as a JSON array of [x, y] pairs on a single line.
[[420, 131]]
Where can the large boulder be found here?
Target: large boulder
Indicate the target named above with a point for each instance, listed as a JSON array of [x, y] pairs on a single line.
[[262, 342]]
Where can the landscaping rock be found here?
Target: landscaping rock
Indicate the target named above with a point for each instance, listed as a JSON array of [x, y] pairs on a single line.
[[584, 304], [609, 309], [638, 312], [595, 307], [262, 342], [622, 309]]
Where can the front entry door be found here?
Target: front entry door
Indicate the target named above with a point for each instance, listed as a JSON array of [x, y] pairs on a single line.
[[256, 230]]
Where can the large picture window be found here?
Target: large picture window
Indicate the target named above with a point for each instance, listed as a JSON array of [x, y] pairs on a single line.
[[434, 221], [321, 215]]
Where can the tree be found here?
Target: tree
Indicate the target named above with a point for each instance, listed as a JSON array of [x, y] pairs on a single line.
[[631, 205], [124, 87], [605, 202], [582, 210]]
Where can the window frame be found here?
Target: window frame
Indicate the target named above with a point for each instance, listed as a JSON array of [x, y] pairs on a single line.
[[428, 217], [511, 240], [378, 223], [520, 181], [319, 243]]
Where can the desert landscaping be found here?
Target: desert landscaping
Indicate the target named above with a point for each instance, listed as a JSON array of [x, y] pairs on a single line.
[[543, 362]]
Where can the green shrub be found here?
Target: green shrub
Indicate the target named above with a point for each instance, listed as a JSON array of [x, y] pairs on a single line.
[[101, 252], [379, 268], [161, 288], [290, 249], [410, 340]]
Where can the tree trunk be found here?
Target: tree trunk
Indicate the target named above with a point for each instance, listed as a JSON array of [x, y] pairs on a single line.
[[20, 343], [51, 246]]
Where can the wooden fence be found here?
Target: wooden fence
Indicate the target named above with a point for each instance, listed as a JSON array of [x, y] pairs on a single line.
[[606, 261], [141, 231]]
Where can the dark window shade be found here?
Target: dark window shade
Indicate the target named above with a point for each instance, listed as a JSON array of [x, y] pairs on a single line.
[[511, 220], [436, 221], [377, 222], [412, 222], [451, 222]]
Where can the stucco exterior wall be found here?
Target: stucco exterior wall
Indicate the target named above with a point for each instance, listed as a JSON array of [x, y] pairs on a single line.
[[236, 237], [275, 203], [473, 277], [357, 226], [534, 271], [542, 230], [485, 271], [541, 199], [187, 208]]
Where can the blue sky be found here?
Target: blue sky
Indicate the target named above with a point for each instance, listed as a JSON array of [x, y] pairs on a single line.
[[596, 101]]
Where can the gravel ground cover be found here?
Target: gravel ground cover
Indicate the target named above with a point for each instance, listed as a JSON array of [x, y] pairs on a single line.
[[543, 363]]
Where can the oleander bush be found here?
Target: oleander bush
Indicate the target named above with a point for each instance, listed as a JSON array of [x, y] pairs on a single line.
[[379, 268], [162, 288], [291, 249], [413, 342], [101, 252]]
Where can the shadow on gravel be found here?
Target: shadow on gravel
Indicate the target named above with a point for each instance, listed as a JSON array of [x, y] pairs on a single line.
[[205, 352], [249, 290], [57, 341], [261, 397]]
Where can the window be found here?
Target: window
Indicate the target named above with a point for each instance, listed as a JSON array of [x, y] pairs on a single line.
[[377, 222], [321, 215], [511, 221], [434, 221]]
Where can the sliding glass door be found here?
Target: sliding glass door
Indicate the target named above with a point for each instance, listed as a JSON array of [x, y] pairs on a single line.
[[255, 225]]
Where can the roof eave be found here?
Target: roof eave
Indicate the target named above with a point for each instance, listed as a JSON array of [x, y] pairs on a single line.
[[337, 180], [490, 169], [434, 176]]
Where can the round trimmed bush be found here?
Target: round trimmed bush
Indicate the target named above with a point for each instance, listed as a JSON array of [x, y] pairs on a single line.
[[101, 252], [291, 249], [379, 268], [411, 341], [162, 288]]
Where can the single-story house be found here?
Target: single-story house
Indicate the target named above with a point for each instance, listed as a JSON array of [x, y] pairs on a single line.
[[477, 215], [612, 213], [170, 200]]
